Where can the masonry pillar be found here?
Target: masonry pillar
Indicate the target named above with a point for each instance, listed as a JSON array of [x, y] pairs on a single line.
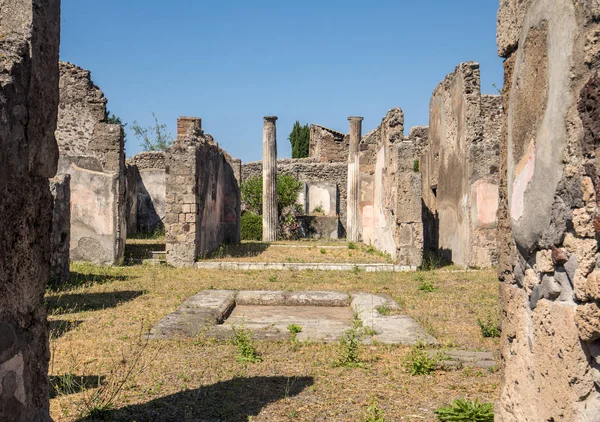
[[270, 219], [352, 227]]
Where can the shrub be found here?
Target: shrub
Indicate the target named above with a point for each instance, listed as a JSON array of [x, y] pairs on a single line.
[[251, 191], [288, 189], [466, 411], [251, 226], [416, 166], [490, 326]]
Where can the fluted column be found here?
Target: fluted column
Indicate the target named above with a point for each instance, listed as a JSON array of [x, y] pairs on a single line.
[[269, 164], [352, 226]]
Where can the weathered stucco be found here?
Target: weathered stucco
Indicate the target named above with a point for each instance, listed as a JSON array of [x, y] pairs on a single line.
[[146, 192], [548, 220], [460, 170], [390, 201], [202, 208], [29, 43], [92, 152]]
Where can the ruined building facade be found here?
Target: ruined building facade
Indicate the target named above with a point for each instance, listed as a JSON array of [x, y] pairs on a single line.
[[460, 170], [29, 41], [92, 153], [202, 195], [549, 224]]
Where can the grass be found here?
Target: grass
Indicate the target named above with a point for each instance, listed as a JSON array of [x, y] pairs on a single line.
[[304, 251], [97, 319]]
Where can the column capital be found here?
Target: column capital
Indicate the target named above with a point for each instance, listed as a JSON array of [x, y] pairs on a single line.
[[270, 118], [356, 118]]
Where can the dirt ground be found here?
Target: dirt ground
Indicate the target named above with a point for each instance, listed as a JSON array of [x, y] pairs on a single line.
[[97, 321]]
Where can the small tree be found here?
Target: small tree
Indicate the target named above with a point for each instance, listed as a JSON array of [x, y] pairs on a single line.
[[300, 140], [154, 137], [288, 189]]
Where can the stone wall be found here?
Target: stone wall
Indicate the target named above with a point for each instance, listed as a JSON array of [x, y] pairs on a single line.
[[29, 40], [390, 203], [202, 196], [60, 186], [548, 215], [91, 151], [328, 145], [147, 184], [460, 170], [310, 170]]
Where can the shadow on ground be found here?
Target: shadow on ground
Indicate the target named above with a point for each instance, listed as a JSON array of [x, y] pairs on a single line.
[[60, 327], [63, 385], [70, 303], [241, 250], [82, 279], [235, 400]]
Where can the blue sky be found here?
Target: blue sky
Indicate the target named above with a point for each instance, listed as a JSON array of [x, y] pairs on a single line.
[[232, 62]]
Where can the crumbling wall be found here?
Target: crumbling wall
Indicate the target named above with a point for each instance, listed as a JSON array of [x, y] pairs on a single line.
[[92, 152], [460, 170], [29, 42], [328, 145], [60, 186], [390, 202], [310, 170], [548, 215], [202, 196], [148, 185]]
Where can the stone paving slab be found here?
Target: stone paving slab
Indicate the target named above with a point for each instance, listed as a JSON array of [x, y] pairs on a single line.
[[391, 329], [325, 315], [205, 309], [294, 266], [460, 358]]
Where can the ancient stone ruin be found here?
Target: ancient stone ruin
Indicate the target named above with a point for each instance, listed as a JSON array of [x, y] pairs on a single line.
[[548, 215], [92, 152], [460, 170], [202, 208], [29, 43], [146, 200]]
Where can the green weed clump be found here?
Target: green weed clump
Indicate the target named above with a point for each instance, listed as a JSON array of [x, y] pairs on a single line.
[[294, 330], [462, 410], [246, 350], [490, 326], [418, 361]]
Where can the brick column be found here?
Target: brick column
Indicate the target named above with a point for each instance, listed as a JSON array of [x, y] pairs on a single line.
[[270, 215], [352, 227]]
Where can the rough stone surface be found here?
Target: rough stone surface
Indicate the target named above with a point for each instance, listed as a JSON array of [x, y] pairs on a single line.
[[328, 145], [29, 41], [92, 152], [60, 186], [547, 211], [460, 170], [202, 208], [319, 227]]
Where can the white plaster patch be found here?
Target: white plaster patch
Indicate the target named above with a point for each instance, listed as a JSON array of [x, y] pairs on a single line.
[[15, 365], [523, 175]]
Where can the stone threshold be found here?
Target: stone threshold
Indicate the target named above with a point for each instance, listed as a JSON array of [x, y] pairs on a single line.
[[294, 266]]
